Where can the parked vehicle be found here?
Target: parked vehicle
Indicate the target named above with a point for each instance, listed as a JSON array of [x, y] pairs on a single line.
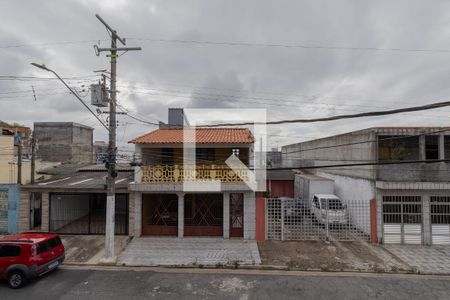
[[29, 255], [328, 209], [293, 208], [308, 185]]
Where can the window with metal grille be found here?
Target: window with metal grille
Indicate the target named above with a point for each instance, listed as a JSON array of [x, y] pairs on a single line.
[[402, 209], [440, 209]]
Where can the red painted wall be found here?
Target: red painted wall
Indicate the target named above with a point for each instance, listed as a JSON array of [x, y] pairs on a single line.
[[373, 221], [281, 188]]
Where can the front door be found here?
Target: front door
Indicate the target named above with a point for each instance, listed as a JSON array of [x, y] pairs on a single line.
[[236, 215]]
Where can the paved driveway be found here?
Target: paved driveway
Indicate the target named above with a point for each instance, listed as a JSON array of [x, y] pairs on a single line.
[[166, 251], [426, 259]]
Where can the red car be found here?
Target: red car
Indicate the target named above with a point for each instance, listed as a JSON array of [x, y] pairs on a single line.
[[28, 255]]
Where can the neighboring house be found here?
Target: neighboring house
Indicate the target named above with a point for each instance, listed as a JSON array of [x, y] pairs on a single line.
[[9, 162], [22, 133], [169, 202], [413, 200], [10, 137], [75, 203], [64, 142]]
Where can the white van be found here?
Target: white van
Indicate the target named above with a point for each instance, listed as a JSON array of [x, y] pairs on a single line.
[[329, 209]]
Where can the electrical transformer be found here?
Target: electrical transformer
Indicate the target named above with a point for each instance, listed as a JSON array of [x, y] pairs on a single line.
[[98, 95]]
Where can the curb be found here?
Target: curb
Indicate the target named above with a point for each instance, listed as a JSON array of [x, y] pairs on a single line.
[[252, 268]]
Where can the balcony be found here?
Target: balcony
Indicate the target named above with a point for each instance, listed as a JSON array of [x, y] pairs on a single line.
[[179, 174]]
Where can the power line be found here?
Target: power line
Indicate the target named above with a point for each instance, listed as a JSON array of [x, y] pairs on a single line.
[[51, 44], [340, 117], [367, 164], [277, 102], [32, 78], [280, 45], [369, 141]]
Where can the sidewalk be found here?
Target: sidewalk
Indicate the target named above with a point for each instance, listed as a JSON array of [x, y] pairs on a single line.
[[172, 251], [424, 259], [355, 256]]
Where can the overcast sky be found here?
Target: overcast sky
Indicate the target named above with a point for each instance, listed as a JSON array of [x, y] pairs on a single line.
[[290, 82]]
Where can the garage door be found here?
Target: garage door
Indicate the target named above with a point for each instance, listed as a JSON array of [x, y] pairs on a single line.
[[160, 214], [203, 215], [440, 220], [85, 213], [402, 220]]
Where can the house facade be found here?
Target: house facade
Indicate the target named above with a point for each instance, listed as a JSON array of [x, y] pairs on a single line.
[[413, 199], [75, 203], [175, 198]]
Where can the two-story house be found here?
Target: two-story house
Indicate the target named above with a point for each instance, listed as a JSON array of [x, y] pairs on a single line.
[[175, 198], [403, 168]]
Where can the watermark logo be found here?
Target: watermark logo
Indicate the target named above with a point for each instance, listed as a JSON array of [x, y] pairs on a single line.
[[234, 162]]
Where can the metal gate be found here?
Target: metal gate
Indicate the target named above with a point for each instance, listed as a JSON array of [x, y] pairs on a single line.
[[236, 215], [292, 219], [402, 220], [160, 214], [203, 215], [86, 213], [440, 220]]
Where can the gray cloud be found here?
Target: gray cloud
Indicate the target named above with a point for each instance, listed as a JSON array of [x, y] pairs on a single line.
[[289, 82]]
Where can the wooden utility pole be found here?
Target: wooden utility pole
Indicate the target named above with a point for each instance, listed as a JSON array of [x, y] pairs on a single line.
[[112, 150], [33, 159], [19, 162]]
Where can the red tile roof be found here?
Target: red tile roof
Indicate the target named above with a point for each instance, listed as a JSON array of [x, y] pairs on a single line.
[[202, 136]]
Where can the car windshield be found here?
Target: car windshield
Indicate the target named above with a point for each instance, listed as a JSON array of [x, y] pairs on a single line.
[[333, 204]]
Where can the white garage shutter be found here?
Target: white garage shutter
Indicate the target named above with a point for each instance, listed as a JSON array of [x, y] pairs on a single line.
[[440, 220], [402, 220]]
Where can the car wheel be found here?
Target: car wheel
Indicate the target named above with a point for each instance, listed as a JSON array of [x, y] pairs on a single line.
[[16, 279]]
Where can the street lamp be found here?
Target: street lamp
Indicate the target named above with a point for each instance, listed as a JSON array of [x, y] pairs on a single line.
[[44, 67]]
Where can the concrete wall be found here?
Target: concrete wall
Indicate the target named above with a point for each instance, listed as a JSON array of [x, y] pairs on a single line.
[[356, 193], [323, 152], [435, 172], [64, 142], [24, 211]]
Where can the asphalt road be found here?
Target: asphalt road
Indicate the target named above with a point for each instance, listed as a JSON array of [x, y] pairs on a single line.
[[224, 284]]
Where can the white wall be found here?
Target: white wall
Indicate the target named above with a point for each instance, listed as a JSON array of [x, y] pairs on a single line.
[[356, 193], [249, 216]]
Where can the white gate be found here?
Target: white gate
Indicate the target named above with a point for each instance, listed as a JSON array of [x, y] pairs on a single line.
[[402, 220], [440, 220]]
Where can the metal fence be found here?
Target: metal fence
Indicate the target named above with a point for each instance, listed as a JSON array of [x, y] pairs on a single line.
[[325, 219]]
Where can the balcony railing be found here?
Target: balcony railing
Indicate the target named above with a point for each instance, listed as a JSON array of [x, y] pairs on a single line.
[[179, 174]]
